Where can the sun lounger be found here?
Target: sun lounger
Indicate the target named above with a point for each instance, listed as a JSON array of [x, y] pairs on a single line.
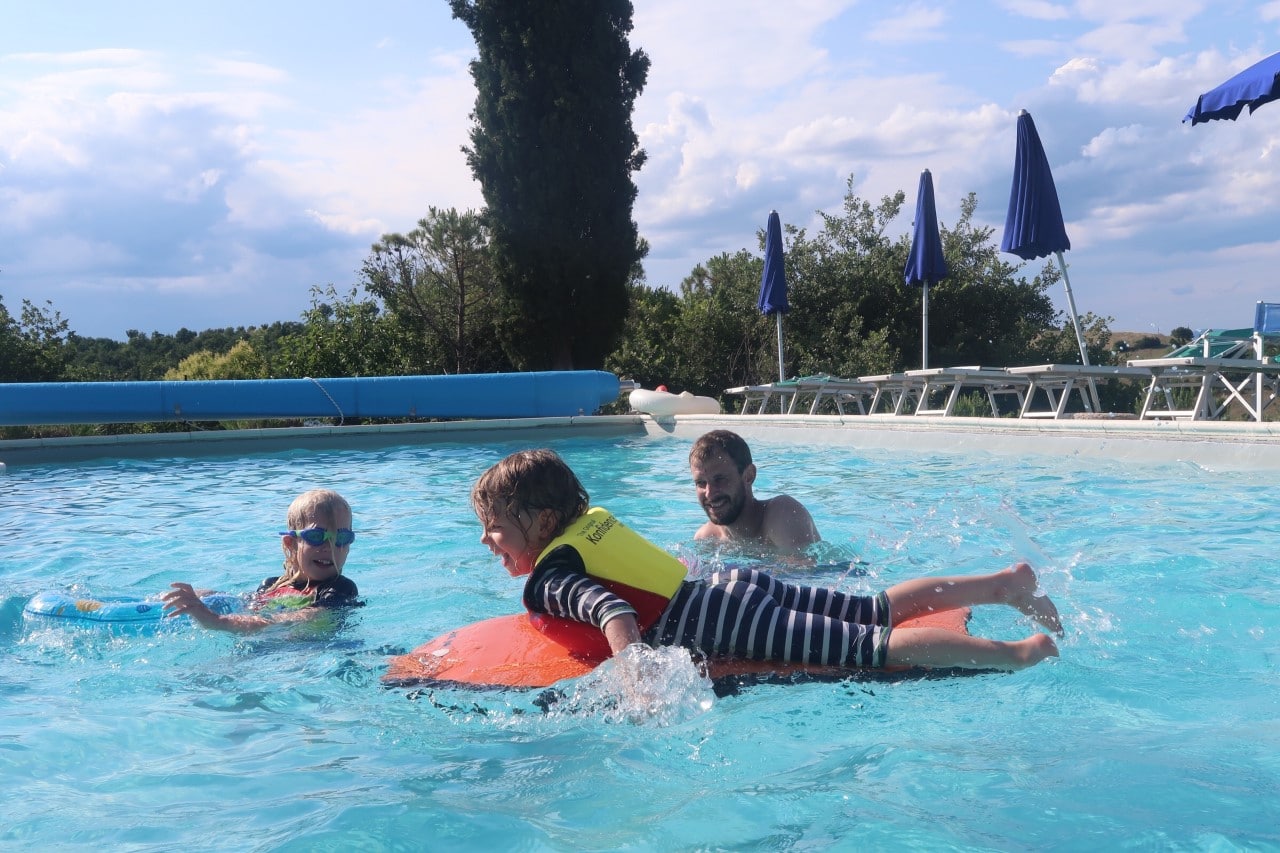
[[840, 393], [1217, 382], [758, 396], [1217, 343], [843, 395], [1053, 384], [892, 393], [946, 383], [1221, 367]]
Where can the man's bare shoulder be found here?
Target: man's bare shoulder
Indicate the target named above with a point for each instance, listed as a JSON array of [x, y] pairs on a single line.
[[710, 530], [786, 509], [787, 524]]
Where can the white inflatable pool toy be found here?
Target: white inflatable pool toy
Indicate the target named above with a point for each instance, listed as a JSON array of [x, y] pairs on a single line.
[[663, 402]]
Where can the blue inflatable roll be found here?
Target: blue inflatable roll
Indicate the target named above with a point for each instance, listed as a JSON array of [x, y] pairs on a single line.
[[483, 395], [61, 607]]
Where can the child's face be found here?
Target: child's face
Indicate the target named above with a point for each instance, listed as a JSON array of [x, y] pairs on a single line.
[[516, 540], [324, 561]]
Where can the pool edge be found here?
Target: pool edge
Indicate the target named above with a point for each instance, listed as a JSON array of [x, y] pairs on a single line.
[[1227, 445]]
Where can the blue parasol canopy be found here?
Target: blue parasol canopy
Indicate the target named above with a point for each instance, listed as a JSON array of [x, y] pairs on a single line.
[[1256, 85], [925, 263], [1033, 227], [773, 282]]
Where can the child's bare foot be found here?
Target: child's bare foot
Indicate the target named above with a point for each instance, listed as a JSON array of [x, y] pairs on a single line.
[[1021, 593], [1033, 649]]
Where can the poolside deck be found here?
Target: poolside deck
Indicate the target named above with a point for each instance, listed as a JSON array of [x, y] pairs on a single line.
[[1213, 444]]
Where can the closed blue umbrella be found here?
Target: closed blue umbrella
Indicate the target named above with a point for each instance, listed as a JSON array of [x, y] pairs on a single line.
[[1034, 226], [926, 262], [1256, 85], [773, 282]]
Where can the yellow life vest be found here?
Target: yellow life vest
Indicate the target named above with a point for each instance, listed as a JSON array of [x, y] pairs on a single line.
[[632, 567], [612, 551]]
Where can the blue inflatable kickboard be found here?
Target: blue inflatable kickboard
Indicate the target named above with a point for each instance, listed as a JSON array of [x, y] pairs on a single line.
[[60, 606]]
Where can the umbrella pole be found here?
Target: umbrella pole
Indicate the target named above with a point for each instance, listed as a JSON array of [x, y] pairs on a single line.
[[1071, 304], [924, 348], [782, 374], [1075, 323]]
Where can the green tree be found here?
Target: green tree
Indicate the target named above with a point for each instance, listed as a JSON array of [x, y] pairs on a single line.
[[983, 312], [554, 150], [343, 336], [729, 342], [33, 348], [437, 282], [848, 307], [242, 361], [645, 353], [851, 313]]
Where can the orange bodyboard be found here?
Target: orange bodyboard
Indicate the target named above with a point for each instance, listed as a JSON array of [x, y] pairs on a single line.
[[508, 651]]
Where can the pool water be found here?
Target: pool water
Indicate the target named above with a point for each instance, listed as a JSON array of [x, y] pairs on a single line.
[[1158, 727]]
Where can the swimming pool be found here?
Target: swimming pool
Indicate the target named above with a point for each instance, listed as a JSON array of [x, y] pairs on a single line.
[[1158, 726]]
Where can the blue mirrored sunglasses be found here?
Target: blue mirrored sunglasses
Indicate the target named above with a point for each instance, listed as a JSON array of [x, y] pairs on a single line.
[[341, 538]]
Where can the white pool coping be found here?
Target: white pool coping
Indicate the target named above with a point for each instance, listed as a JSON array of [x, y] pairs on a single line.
[[1212, 444]]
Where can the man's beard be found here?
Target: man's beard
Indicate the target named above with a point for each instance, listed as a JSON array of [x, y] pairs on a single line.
[[726, 514]]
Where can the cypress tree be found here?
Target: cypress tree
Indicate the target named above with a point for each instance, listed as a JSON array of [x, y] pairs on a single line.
[[553, 149]]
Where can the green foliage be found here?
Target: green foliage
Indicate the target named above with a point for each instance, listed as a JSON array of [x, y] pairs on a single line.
[[344, 336], [437, 285], [554, 150], [847, 301], [150, 357], [851, 313], [432, 305], [645, 352], [32, 349], [1181, 335], [242, 361], [1147, 342]]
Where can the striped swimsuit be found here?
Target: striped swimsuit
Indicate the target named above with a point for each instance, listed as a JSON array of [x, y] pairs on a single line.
[[740, 612]]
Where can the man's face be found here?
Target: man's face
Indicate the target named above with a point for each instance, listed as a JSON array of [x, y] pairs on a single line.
[[722, 489]]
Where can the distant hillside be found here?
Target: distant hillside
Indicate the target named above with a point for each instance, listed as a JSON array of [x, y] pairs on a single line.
[[1140, 345]]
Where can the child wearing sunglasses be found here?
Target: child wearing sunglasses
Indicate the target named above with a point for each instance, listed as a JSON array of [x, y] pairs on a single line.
[[316, 546]]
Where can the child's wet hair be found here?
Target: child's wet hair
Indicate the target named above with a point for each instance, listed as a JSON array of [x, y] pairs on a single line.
[[527, 482], [314, 505]]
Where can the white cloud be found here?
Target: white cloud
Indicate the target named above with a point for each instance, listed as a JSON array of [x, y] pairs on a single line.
[[916, 24], [1041, 10], [387, 165], [186, 175]]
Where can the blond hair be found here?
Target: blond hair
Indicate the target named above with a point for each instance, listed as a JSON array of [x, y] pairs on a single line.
[[306, 508]]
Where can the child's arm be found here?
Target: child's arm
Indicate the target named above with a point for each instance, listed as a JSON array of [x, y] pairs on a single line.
[[621, 631], [182, 600]]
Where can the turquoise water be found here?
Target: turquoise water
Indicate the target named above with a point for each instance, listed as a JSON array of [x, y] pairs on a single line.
[[1158, 728]]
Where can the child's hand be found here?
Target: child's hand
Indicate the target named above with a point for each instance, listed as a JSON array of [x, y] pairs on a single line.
[[661, 684], [183, 600], [642, 681]]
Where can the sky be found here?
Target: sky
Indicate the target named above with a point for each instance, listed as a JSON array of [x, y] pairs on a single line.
[[209, 164]]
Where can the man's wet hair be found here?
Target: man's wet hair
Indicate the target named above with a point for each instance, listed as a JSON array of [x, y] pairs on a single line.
[[721, 441]]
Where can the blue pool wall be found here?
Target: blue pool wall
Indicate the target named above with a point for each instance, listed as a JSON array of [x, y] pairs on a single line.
[[487, 395]]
